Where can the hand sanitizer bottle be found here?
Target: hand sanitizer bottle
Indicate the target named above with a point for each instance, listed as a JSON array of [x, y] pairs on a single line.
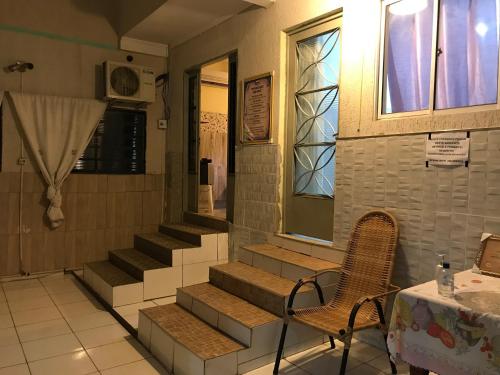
[[446, 281], [439, 267]]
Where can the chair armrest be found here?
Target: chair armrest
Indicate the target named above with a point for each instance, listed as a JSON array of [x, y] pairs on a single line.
[[313, 277], [296, 289], [364, 299]]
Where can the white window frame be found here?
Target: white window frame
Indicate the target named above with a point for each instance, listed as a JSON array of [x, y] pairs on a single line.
[[431, 111]]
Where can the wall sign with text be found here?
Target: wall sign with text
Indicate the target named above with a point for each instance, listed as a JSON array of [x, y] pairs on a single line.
[[447, 149], [257, 109]]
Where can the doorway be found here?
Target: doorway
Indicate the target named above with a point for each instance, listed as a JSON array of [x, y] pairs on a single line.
[[211, 115]]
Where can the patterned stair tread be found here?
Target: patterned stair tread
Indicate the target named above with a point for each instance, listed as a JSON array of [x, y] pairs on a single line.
[[259, 278], [138, 259], [191, 229], [111, 274], [207, 221], [234, 307], [194, 334], [292, 257], [166, 241]]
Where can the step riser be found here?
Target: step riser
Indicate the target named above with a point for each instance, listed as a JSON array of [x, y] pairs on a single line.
[[115, 296], [208, 222], [162, 282], [283, 269], [153, 250], [181, 235], [179, 360]]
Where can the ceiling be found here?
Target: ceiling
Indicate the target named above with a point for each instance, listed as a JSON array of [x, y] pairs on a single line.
[[177, 21]]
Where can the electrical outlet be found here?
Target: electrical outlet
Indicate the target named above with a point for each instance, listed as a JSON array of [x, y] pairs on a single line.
[[162, 124]]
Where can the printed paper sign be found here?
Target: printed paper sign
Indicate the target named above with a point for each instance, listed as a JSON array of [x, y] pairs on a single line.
[[447, 149]]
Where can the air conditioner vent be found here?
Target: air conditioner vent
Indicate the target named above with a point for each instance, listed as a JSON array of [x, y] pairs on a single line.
[[129, 82]]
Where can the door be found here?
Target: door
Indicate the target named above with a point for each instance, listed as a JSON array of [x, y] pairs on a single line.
[[231, 133], [312, 129], [193, 118]]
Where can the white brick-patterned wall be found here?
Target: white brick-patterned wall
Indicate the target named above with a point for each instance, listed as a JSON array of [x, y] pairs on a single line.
[[439, 209]]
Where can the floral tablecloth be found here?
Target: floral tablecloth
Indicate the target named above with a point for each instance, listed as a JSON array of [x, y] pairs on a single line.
[[455, 336]]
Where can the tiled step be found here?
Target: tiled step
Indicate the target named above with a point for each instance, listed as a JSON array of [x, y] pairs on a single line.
[[163, 248], [114, 285], [286, 263], [206, 221], [159, 279], [220, 309], [185, 344], [259, 287], [188, 232]]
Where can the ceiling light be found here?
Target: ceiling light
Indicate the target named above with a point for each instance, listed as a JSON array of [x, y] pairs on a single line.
[[407, 7]]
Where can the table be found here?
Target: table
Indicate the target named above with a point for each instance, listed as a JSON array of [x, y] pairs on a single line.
[[455, 336]]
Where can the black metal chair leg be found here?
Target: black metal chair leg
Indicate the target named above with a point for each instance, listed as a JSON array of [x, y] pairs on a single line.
[[381, 316], [280, 349], [332, 342], [343, 366]]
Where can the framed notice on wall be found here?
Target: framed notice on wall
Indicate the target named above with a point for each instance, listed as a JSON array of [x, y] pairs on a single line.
[[257, 109], [488, 257]]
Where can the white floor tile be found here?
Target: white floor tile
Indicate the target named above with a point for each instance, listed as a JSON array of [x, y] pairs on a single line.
[[35, 315], [382, 363], [22, 284], [4, 308], [74, 363], [364, 352], [6, 321], [286, 368], [321, 360], [30, 303], [98, 319], [145, 367], [8, 336], [102, 335], [71, 297], [364, 370], [15, 294], [11, 355], [117, 354], [36, 331], [21, 369], [133, 319], [51, 347], [164, 301], [63, 286], [133, 308], [81, 308]]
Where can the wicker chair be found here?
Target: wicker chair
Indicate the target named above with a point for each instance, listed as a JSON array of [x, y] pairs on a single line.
[[362, 290]]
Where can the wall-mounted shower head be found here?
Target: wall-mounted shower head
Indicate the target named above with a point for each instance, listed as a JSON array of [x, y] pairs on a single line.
[[19, 66]]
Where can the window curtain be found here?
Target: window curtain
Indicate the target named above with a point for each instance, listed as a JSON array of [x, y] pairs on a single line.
[[467, 68], [1, 97], [57, 130], [213, 145], [408, 58]]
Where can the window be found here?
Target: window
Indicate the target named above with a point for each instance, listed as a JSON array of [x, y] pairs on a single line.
[[118, 145], [316, 113], [439, 54]]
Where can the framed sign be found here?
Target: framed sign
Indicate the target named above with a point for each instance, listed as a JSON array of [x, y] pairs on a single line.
[[257, 109], [488, 258]]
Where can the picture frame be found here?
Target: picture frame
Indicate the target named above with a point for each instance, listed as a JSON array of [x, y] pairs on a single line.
[[488, 256], [257, 112]]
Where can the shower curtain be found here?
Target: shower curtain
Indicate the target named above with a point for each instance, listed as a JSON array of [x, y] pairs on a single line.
[[213, 145], [58, 130]]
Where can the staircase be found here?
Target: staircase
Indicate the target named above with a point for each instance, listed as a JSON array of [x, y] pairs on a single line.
[[178, 255], [231, 324]]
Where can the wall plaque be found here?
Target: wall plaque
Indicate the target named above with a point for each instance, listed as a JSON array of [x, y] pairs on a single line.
[[488, 258], [257, 109], [447, 149]]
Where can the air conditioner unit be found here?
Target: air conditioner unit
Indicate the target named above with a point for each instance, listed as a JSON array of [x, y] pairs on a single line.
[[129, 82]]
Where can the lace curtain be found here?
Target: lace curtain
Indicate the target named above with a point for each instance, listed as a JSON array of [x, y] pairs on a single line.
[[213, 145]]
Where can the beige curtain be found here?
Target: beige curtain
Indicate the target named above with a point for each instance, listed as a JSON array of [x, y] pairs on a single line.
[[58, 130], [1, 97], [213, 145]]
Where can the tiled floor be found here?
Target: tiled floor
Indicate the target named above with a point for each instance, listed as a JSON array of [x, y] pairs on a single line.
[[51, 326]]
